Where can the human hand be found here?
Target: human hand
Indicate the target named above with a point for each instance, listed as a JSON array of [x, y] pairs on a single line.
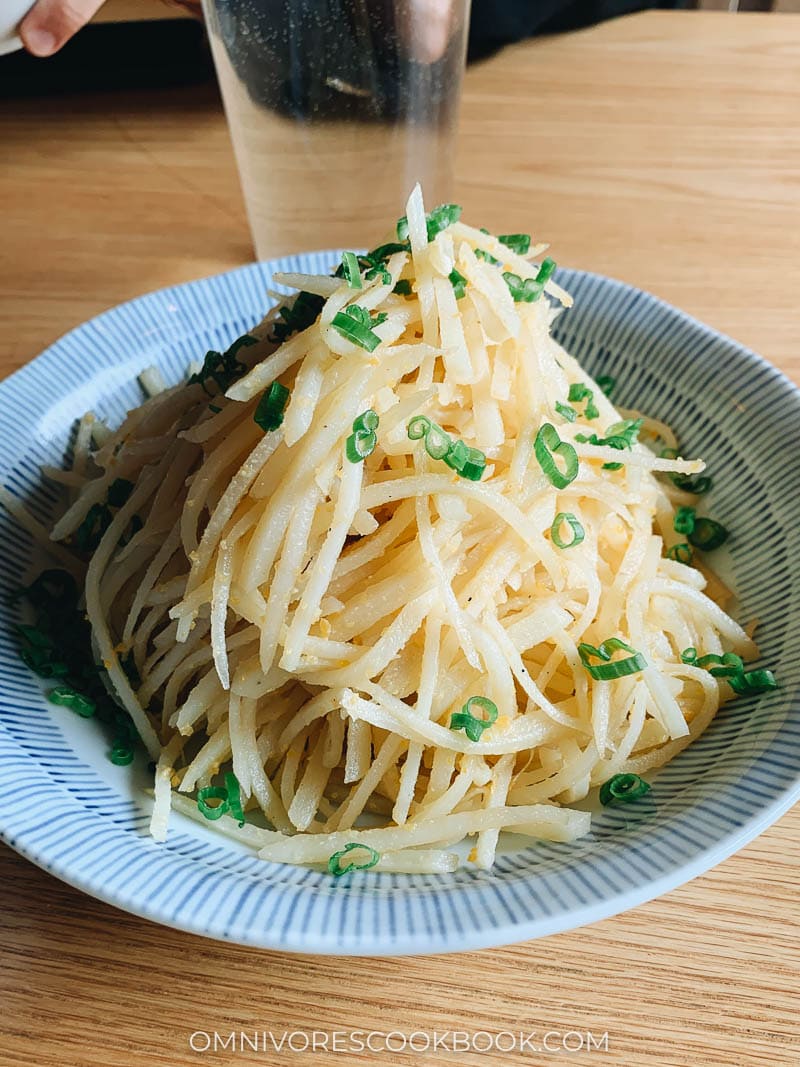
[[51, 23]]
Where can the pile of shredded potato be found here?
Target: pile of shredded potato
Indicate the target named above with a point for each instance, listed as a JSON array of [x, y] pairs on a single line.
[[382, 641]]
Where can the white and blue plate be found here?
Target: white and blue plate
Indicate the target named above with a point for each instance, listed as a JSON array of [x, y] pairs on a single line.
[[72, 812]]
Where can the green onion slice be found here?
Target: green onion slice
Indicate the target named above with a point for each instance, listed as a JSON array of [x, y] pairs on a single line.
[[355, 325], [437, 442], [547, 446], [697, 486], [566, 412], [118, 492], [350, 270], [606, 384], [459, 283], [121, 754], [70, 698], [481, 253], [728, 665], [684, 520], [457, 455], [474, 465], [271, 407], [623, 789], [680, 553], [607, 670], [437, 220], [403, 288], [578, 532], [367, 420], [577, 392], [213, 792], [473, 726], [418, 427], [751, 682], [234, 797], [708, 534], [360, 444], [529, 289], [517, 242], [337, 868], [732, 667]]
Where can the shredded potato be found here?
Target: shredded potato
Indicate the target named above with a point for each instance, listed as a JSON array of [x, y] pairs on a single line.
[[314, 623]]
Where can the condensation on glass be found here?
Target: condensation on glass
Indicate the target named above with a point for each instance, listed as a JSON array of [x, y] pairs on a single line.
[[336, 108]]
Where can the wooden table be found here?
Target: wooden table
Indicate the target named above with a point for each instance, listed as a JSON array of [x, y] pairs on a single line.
[[662, 149]]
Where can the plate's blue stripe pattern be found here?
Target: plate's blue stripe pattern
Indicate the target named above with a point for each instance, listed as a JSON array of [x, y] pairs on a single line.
[[70, 811]]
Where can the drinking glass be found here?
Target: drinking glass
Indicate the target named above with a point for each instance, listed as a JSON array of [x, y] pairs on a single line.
[[336, 108]]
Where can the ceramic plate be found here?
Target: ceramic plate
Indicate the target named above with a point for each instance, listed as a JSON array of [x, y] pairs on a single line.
[[68, 809]]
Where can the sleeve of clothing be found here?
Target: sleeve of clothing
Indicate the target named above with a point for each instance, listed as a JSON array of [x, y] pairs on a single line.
[[496, 23]]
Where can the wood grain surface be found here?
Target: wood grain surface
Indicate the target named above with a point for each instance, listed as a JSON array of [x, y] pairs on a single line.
[[662, 149]]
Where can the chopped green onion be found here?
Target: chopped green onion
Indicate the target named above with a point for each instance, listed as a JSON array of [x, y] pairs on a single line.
[[680, 553], [34, 636], [367, 420], [517, 242], [134, 527], [355, 324], [437, 220], [732, 667], [437, 442], [481, 253], [418, 427], [752, 682], [578, 392], [606, 384], [121, 754], [403, 288], [456, 455], [70, 698], [547, 446], [90, 532], [531, 288], [578, 532], [621, 435], [213, 792], [223, 368], [374, 264], [474, 465], [296, 317], [473, 726], [459, 283], [40, 661], [335, 862], [51, 587], [728, 665], [470, 463], [118, 492], [607, 671], [623, 788], [697, 486], [708, 534], [684, 520], [234, 797], [271, 407], [351, 270], [566, 412], [360, 444]]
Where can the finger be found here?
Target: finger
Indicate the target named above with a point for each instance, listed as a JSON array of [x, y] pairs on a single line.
[[431, 29], [51, 23]]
